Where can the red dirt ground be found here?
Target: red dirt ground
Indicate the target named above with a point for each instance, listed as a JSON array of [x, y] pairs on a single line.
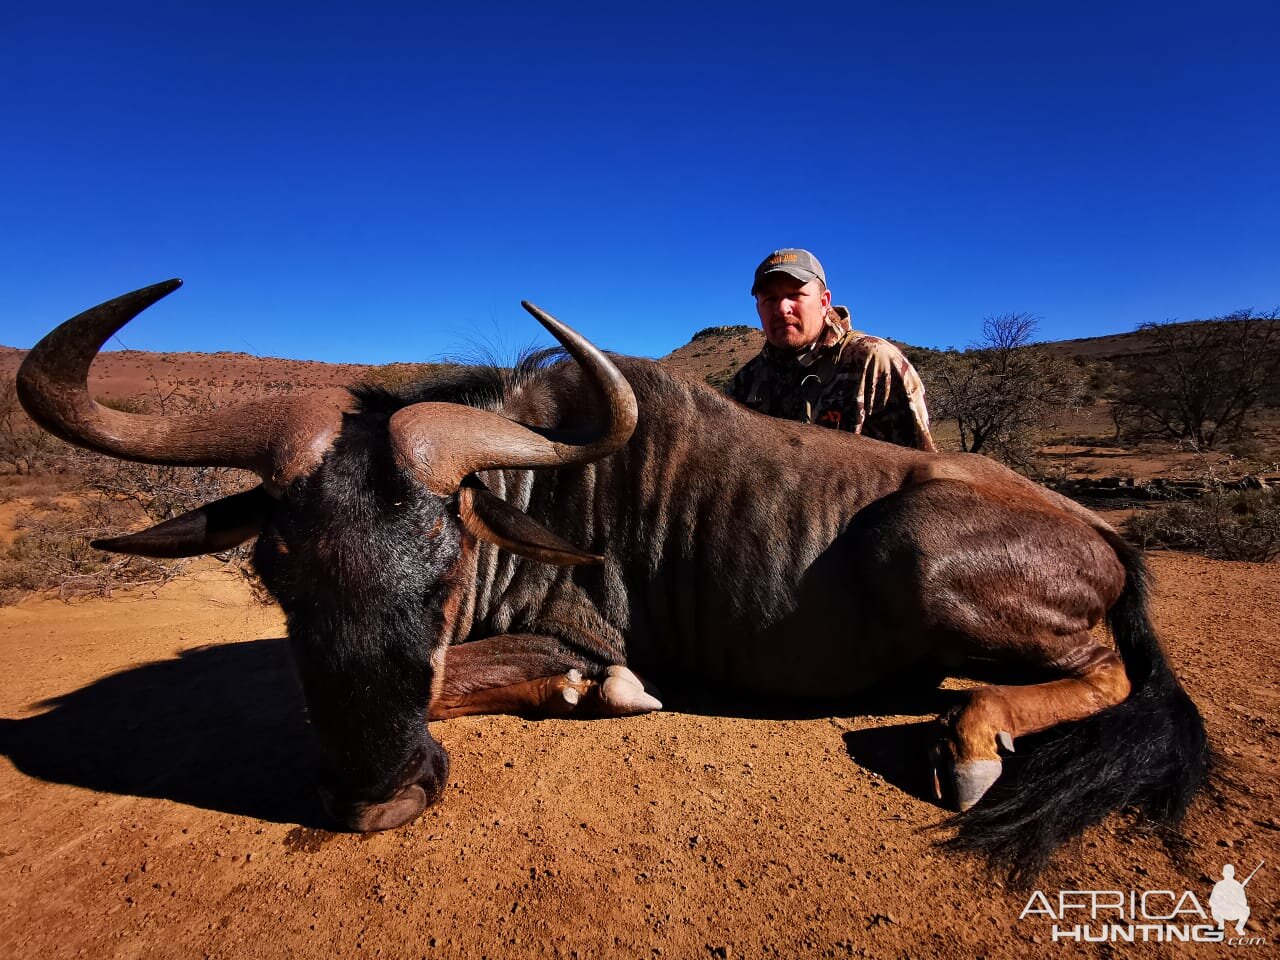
[[218, 377], [157, 802]]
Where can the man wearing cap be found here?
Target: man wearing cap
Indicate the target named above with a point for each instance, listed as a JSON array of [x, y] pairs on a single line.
[[814, 367]]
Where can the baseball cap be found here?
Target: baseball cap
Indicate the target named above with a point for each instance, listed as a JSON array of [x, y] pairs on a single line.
[[792, 261]]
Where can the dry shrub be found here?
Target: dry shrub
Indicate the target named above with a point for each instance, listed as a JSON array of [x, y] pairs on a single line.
[[1204, 380], [1249, 447], [24, 447], [1003, 392], [51, 553], [1225, 524], [110, 497]]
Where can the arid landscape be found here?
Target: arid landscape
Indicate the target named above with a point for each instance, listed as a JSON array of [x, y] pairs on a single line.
[[159, 798]]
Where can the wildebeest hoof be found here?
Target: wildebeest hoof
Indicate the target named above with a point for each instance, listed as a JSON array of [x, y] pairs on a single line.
[[623, 692], [618, 693], [960, 784], [973, 778]]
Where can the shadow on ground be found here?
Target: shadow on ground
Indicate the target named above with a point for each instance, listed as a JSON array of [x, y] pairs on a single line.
[[223, 728], [898, 753], [908, 693], [220, 727]]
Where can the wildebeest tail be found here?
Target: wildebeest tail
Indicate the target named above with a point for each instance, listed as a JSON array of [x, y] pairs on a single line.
[[1148, 752]]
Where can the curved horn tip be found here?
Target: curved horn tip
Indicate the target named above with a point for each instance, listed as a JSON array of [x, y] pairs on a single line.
[[112, 544], [544, 318], [163, 288], [138, 300]]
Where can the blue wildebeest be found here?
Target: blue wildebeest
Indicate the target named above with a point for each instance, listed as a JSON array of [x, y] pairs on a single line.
[[509, 541]]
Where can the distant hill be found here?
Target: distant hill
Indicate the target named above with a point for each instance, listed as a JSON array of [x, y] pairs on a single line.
[[222, 377], [1112, 347], [712, 355], [716, 353]]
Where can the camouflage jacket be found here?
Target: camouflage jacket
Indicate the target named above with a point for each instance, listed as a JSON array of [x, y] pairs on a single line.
[[845, 380]]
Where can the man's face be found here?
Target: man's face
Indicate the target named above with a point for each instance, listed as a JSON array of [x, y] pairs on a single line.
[[791, 312]]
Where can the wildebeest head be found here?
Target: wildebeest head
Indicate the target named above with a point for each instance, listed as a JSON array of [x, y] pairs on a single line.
[[361, 517]]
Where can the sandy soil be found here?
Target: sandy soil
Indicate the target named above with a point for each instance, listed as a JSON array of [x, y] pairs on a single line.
[[157, 802]]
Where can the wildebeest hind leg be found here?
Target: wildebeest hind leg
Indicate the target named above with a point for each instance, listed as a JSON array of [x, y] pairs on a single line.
[[967, 760], [1005, 579], [534, 675]]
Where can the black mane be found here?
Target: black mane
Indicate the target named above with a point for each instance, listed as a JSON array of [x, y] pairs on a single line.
[[482, 384]]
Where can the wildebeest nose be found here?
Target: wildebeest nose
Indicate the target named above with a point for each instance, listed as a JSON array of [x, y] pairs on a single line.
[[399, 810], [364, 817], [427, 774]]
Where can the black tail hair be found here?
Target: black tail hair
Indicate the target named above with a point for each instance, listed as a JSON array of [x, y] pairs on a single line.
[[1148, 752]]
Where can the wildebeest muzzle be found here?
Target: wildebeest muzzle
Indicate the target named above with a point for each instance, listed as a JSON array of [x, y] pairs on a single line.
[[421, 784]]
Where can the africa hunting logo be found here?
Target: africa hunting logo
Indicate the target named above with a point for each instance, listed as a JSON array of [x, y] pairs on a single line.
[[1149, 916]]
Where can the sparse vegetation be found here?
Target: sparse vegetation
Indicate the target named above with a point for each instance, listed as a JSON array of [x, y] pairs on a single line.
[[51, 552], [23, 446], [1226, 524], [106, 497], [1202, 380], [392, 376], [736, 328], [1001, 391]]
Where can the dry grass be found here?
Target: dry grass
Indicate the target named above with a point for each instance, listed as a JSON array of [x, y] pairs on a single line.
[[1224, 524], [74, 496]]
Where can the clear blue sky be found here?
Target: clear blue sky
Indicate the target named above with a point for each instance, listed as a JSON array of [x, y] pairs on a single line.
[[381, 182]]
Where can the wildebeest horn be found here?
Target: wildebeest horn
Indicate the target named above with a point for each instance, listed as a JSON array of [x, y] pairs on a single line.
[[211, 528], [444, 442], [280, 439]]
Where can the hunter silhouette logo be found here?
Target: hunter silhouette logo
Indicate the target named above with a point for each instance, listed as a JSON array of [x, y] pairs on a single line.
[[1228, 902]]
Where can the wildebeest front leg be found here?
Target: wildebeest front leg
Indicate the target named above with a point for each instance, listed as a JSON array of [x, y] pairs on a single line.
[[535, 675]]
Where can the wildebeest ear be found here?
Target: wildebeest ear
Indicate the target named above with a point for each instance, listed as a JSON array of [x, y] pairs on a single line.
[[216, 526], [490, 518]]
